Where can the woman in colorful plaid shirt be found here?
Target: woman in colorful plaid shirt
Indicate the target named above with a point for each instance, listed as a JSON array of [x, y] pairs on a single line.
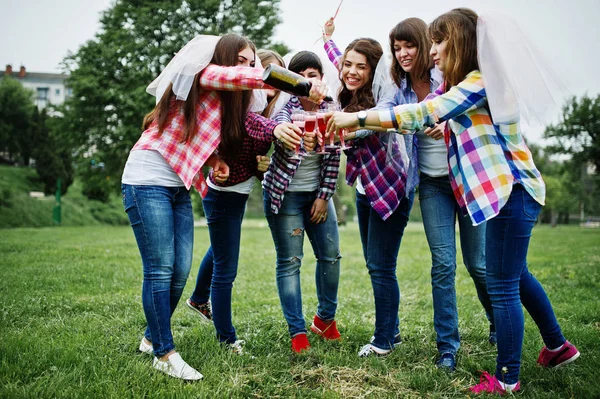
[[494, 179], [297, 200], [182, 134], [414, 73], [384, 191]]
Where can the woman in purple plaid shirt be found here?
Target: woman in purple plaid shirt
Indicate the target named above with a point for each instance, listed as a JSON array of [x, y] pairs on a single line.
[[383, 200]]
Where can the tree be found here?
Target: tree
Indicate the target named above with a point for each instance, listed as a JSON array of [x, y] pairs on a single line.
[[52, 159], [15, 117], [578, 133], [109, 74], [578, 136]]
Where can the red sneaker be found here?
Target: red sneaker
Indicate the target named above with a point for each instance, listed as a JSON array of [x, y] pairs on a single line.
[[326, 329], [490, 384], [300, 343], [564, 355]]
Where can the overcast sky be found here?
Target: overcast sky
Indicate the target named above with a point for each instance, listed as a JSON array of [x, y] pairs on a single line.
[[39, 33]]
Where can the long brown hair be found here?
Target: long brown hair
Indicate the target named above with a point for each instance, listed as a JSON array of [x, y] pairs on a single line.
[[163, 112], [361, 98], [270, 57], [234, 104], [412, 30], [460, 30]]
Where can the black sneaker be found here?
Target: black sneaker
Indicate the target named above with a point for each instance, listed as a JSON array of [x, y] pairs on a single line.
[[492, 337], [202, 309]]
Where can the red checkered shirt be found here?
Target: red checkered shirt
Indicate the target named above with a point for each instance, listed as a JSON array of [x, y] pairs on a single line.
[[185, 158]]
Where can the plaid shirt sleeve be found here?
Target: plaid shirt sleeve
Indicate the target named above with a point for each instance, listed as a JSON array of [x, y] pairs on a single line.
[[260, 128], [333, 53], [215, 77], [285, 114], [460, 99], [329, 174]]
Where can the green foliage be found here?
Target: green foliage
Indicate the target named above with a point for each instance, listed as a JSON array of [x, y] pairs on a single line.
[[578, 133], [96, 181], [109, 74], [53, 161], [71, 320], [15, 118], [18, 209]]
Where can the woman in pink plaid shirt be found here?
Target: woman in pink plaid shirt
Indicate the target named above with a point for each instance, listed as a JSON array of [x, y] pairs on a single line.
[[207, 78]]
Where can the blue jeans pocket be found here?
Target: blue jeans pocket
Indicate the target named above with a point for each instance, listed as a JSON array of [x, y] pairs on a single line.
[[531, 208], [209, 202]]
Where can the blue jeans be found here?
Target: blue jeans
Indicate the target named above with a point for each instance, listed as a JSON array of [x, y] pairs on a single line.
[[288, 228], [440, 212], [510, 283], [163, 224], [381, 243], [224, 213]]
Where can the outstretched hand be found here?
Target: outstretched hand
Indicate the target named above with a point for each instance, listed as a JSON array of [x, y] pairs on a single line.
[[328, 29]]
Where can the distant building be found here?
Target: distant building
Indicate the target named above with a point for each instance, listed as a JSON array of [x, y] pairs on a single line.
[[49, 88]]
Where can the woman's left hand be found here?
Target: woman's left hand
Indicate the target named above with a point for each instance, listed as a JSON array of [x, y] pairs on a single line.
[[310, 141], [220, 171], [263, 162], [436, 132], [341, 120], [318, 212]]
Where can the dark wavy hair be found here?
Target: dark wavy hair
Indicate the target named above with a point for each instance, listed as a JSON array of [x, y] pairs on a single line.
[[412, 30], [352, 101]]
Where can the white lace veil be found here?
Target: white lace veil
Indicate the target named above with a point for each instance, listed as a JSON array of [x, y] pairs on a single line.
[[520, 84], [180, 71]]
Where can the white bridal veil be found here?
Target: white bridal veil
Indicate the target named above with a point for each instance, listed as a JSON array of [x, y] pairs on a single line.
[[520, 84]]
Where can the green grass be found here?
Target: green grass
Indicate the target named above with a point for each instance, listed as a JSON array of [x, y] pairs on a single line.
[[18, 209], [71, 320]]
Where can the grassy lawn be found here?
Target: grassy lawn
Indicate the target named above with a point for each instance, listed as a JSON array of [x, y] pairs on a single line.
[[71, 320]]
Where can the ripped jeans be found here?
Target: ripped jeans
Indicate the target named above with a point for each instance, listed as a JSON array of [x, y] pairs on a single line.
[[288, 228]]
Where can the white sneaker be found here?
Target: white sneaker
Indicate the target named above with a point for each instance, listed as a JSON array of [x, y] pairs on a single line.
[[397, 340], [176, 367], [237, 347], [370, 350], [145, 348]]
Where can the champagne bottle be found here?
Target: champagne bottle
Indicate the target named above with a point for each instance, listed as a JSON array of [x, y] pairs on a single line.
[[288, 81]]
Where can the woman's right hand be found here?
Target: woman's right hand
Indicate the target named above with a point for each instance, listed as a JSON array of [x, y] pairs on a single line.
[[328, 29], [288, 134]]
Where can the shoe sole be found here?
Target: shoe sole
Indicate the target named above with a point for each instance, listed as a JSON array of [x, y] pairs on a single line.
[[320, 333], [199, 313], [569, 360]]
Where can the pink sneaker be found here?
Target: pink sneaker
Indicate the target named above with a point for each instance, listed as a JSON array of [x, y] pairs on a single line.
[[564, 355], [490, 384]]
